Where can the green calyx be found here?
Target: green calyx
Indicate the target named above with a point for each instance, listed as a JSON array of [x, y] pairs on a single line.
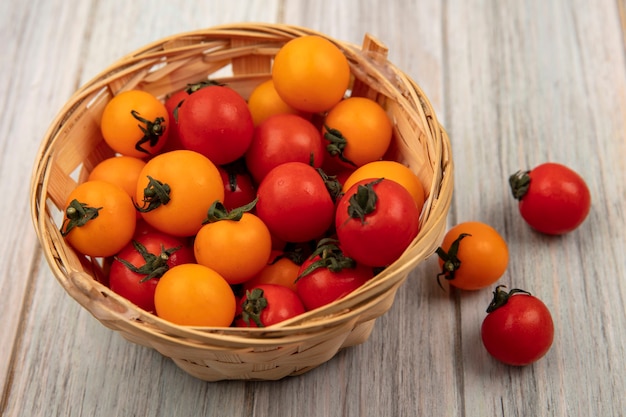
[[155, 265], [336, 144], [501, 297], [192, 88], [451, 263], [77, 215], [253, 306], [330, 257], [218, 212], [332, 184], [152, 131], [363, 202], [155, 195], [519, 183]]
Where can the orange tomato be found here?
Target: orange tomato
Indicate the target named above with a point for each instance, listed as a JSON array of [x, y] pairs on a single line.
[[119, 170], [311, 73], [194, 295], [390, 170], [264, 102], [472, 256], [236, 249], [358, 130], [134, 123], [99, 219], [282, 271], [175, 191]]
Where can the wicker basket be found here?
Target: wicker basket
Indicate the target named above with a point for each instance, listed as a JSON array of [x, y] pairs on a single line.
[[241, 56]]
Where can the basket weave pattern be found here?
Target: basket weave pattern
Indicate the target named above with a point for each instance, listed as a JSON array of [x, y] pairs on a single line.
[[240, 56]]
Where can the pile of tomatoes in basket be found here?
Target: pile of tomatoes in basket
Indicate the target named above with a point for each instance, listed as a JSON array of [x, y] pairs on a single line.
[[218, 210]]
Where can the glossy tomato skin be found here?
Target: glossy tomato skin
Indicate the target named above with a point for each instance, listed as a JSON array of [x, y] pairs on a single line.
[[556, 200], [385, 233], [311, 74], [390, 170], [520, 332], [239, 188], [120, 170], [194, 295], [283, 138], [322, 286], [280, 270], [132, 285], [294, 203], [282, 304], [236, 249], [216, 122], [363, 129], [171, 104], [264, 102]]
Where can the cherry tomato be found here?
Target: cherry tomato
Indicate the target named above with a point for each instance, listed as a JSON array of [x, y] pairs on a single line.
[[283, 138], [472, 255], [175, 191], [518, 329], [268, 304], [281, 269], [376, 221], [194, 295], [136, 269], [172, 103], [294, 203], [216, 122], [311, 73], [237, 246], [99, 219], [264, 102], [119, 170], [239, 189], [357, 131], [390, 170], [553, 199], [329, 275], [135, 123]]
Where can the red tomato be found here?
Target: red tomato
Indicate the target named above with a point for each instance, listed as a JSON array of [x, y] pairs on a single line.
[[376, 220], [294, 203], [137, 268], [518, 329], [238, 187], [171, 104], [283, 138], [553, 199], [216, 122], [268, 304], [328, 275]]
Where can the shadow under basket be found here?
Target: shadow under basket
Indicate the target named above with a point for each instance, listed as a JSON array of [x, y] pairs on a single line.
[[239, 55]]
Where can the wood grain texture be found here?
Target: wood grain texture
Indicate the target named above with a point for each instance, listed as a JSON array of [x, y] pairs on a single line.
[[514, 83]]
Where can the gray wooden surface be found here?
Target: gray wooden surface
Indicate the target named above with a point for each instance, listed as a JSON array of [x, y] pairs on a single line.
[[514, 83]]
